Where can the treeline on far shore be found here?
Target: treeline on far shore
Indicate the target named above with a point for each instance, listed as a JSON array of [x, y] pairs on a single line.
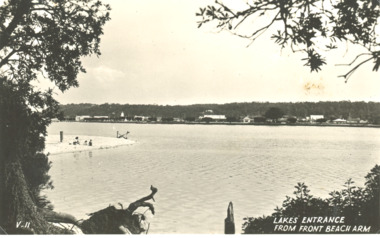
[[233, 111]]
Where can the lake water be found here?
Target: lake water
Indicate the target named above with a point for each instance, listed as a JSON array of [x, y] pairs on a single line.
[[199, 169]]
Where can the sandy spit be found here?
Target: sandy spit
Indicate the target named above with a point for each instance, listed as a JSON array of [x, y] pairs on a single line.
[[54, 146]]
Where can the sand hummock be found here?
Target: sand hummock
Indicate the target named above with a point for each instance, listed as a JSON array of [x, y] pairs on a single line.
[[53, 146]]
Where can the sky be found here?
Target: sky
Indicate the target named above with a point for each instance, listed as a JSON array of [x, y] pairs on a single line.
[[154, 53]]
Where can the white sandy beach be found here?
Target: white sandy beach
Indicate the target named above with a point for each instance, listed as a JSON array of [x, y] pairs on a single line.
[[54, 146]]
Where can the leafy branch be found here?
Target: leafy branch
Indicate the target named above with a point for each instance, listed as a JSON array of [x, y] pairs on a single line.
[[302, 24]]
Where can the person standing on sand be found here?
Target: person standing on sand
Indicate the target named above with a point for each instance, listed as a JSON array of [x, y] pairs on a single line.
[[90, 143]]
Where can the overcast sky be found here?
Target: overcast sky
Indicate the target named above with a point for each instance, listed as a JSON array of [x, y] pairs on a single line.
[[153, 53]]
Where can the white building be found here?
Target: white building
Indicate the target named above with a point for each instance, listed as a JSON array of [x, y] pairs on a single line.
[[247, 119], [177, 119], [140, 118], [340, 121], [214, 117], [81, 118], [101, 117], [316, 117]]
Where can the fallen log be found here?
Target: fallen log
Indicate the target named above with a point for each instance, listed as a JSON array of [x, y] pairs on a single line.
[[110, 220], [59, 217]]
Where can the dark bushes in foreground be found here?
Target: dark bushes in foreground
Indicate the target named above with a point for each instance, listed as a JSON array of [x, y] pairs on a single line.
[[359, 207]]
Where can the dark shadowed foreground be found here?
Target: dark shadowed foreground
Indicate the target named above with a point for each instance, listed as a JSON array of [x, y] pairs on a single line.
[[109, 220]]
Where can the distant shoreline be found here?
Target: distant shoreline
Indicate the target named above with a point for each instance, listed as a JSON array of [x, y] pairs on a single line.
[[235, 124]]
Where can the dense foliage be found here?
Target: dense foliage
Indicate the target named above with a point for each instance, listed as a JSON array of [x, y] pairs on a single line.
[[312, 27], [233, 111], [274, 113], [21, 144], [39, 40], [359, 206]]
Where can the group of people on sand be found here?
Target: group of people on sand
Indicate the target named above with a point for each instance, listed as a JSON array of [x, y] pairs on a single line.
[[76, 142]]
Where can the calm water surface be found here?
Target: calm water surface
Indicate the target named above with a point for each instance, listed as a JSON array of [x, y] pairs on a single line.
[[199, 169]]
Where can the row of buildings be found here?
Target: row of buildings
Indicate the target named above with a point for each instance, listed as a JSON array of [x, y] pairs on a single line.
[[310, 119], [209, 116], [137, 118]]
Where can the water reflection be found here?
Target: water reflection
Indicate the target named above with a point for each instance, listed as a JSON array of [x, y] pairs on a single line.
[[76, 155]]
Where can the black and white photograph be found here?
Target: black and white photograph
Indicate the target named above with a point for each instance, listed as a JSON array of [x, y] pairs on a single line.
[[204, 117]]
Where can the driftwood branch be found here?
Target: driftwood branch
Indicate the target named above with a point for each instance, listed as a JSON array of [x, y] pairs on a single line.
[[142, 201], [109, 220]]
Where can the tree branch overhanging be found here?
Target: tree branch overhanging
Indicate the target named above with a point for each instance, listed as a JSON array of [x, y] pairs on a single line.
[[305, 22]]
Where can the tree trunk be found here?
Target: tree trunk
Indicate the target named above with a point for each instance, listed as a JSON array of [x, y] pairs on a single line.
[[19, 213], [18, 209]]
